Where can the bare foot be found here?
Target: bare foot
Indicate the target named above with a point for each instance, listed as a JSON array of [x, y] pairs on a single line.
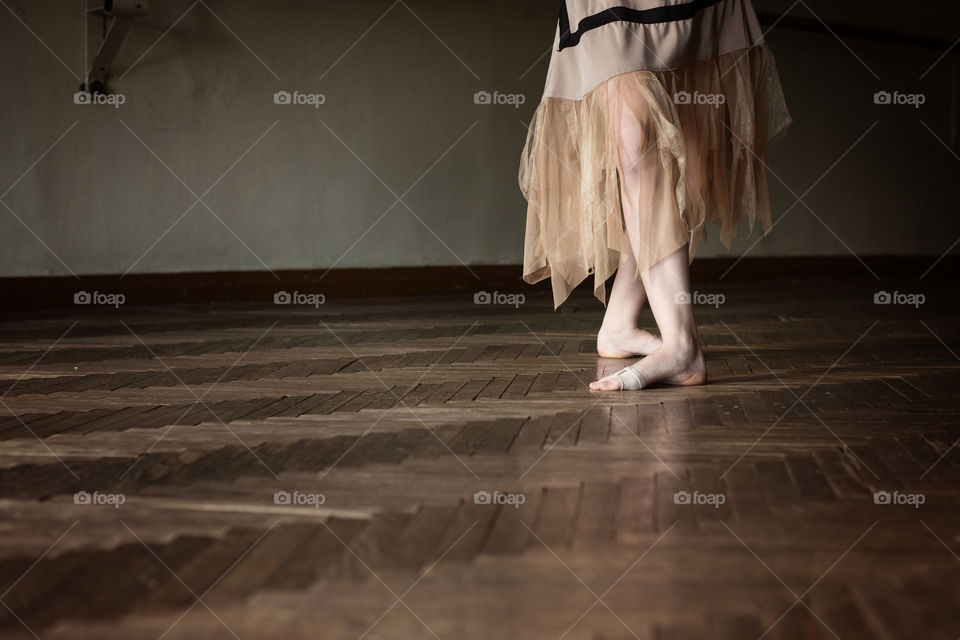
[[626, 344], [670, 364]]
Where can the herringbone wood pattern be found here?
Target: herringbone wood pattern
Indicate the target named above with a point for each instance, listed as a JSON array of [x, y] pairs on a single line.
[[399, 412]]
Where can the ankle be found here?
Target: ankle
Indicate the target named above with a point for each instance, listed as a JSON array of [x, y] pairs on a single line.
[[686, 344]]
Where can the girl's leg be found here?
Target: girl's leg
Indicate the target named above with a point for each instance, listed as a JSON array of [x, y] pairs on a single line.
[[620, 334], [666, 285]]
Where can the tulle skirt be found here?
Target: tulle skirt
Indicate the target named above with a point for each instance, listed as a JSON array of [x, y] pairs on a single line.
[[700, 157]]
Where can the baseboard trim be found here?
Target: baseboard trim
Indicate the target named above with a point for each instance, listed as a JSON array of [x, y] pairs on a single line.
[[231, 287]]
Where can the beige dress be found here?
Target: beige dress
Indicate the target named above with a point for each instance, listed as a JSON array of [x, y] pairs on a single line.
[[704, 90]]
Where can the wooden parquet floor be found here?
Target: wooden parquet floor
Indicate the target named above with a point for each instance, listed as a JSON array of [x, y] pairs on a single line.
[[432, 468]]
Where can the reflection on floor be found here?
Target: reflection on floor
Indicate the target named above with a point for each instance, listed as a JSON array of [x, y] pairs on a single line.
[[437, 468]]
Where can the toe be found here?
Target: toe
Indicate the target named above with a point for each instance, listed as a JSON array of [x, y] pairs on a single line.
[[610, 383]]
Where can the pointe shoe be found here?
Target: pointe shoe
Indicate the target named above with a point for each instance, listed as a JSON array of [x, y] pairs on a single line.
[[630, 379]]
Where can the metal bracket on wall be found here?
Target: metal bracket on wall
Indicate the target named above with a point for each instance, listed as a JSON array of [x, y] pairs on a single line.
[[123, 13]]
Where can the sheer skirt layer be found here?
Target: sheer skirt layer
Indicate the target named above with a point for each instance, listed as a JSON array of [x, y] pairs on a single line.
[[696, 155]]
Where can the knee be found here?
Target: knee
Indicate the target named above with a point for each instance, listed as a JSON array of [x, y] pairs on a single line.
[[636, 156]]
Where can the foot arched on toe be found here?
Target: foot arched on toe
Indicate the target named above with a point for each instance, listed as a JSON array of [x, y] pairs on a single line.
[[628, 343]]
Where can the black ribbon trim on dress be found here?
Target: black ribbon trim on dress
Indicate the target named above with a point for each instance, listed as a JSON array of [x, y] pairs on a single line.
[[656, 15]]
